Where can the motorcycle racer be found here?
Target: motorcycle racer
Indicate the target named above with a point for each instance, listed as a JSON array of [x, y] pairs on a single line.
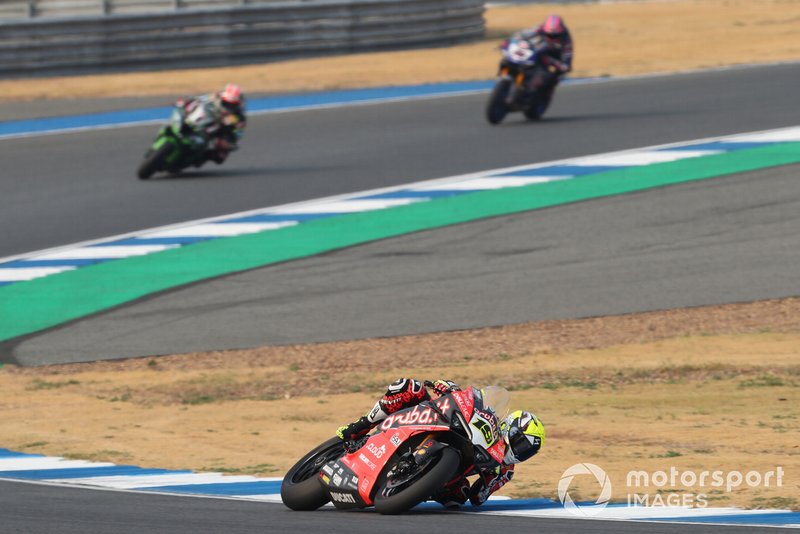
[[556, 39], [227, 107], [522, 431]]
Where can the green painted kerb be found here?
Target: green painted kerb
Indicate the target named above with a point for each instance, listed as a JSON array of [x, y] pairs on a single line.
[[46, 302]]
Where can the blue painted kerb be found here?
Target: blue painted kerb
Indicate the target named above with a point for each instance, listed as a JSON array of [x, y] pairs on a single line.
[[255, 105]]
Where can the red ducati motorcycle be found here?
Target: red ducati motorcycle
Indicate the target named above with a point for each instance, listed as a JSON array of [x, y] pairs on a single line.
[[411, 455]]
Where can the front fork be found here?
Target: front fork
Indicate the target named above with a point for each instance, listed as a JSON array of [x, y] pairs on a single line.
[[517, 85]]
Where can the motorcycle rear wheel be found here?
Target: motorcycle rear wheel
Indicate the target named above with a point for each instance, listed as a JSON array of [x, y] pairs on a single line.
[[496, 109], [154, 161], [534, 112], [419, 490], [540, 101], [301, 489], [537, 107]]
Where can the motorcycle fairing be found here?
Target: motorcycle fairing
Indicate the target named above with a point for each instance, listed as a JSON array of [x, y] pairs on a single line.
[[352, 479], [465, 401], [368, 462], [341, 483], [498, 451]]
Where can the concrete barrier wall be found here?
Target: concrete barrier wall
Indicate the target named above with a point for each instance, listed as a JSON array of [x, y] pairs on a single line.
[[56, 37]]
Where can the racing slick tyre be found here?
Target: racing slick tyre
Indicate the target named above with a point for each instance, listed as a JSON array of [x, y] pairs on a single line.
[[542, 97], [420, 486], [301, 489], [154, 161], [535, 111], [496, 109]]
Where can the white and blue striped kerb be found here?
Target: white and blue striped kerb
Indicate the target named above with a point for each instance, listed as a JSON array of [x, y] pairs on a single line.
[[36, 468], [45, 263]]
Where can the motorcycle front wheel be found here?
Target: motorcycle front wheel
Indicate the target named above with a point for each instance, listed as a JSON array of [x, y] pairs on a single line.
[[496, 109], [419, 486], [154, 161], [300, 489]]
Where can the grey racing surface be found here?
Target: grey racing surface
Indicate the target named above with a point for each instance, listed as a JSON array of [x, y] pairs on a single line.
[[61, 189], [39, 509], [728, 239]]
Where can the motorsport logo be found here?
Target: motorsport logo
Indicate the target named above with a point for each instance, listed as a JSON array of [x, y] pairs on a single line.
[[688, 480], [672, 487], [587, 510]]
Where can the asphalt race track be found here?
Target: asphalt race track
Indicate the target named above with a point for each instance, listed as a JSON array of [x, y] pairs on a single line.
[[728, 239], [61, 189], [721, 240], [39, 509]]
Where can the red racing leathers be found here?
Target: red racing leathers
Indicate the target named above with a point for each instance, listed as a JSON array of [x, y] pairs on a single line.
[[406, 393]]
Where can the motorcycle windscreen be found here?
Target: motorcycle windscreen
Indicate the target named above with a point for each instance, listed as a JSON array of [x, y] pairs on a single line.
[[497, 398]]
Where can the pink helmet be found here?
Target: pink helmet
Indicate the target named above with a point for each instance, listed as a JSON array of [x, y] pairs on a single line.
[[553, 26], [232, 94]]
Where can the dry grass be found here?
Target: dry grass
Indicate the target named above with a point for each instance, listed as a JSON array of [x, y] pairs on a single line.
[[714, 388], [621, 38]]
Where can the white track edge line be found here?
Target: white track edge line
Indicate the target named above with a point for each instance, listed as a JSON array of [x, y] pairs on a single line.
[[345, 196]]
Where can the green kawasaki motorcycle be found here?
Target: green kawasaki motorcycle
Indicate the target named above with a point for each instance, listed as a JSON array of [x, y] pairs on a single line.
[[180, 143]]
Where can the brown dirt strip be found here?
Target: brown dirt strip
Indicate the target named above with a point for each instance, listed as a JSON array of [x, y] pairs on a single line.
[[701, 388]]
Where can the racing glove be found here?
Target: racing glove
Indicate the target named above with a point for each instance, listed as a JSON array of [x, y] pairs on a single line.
[[355, 430], [555, 66], [443, 387]]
